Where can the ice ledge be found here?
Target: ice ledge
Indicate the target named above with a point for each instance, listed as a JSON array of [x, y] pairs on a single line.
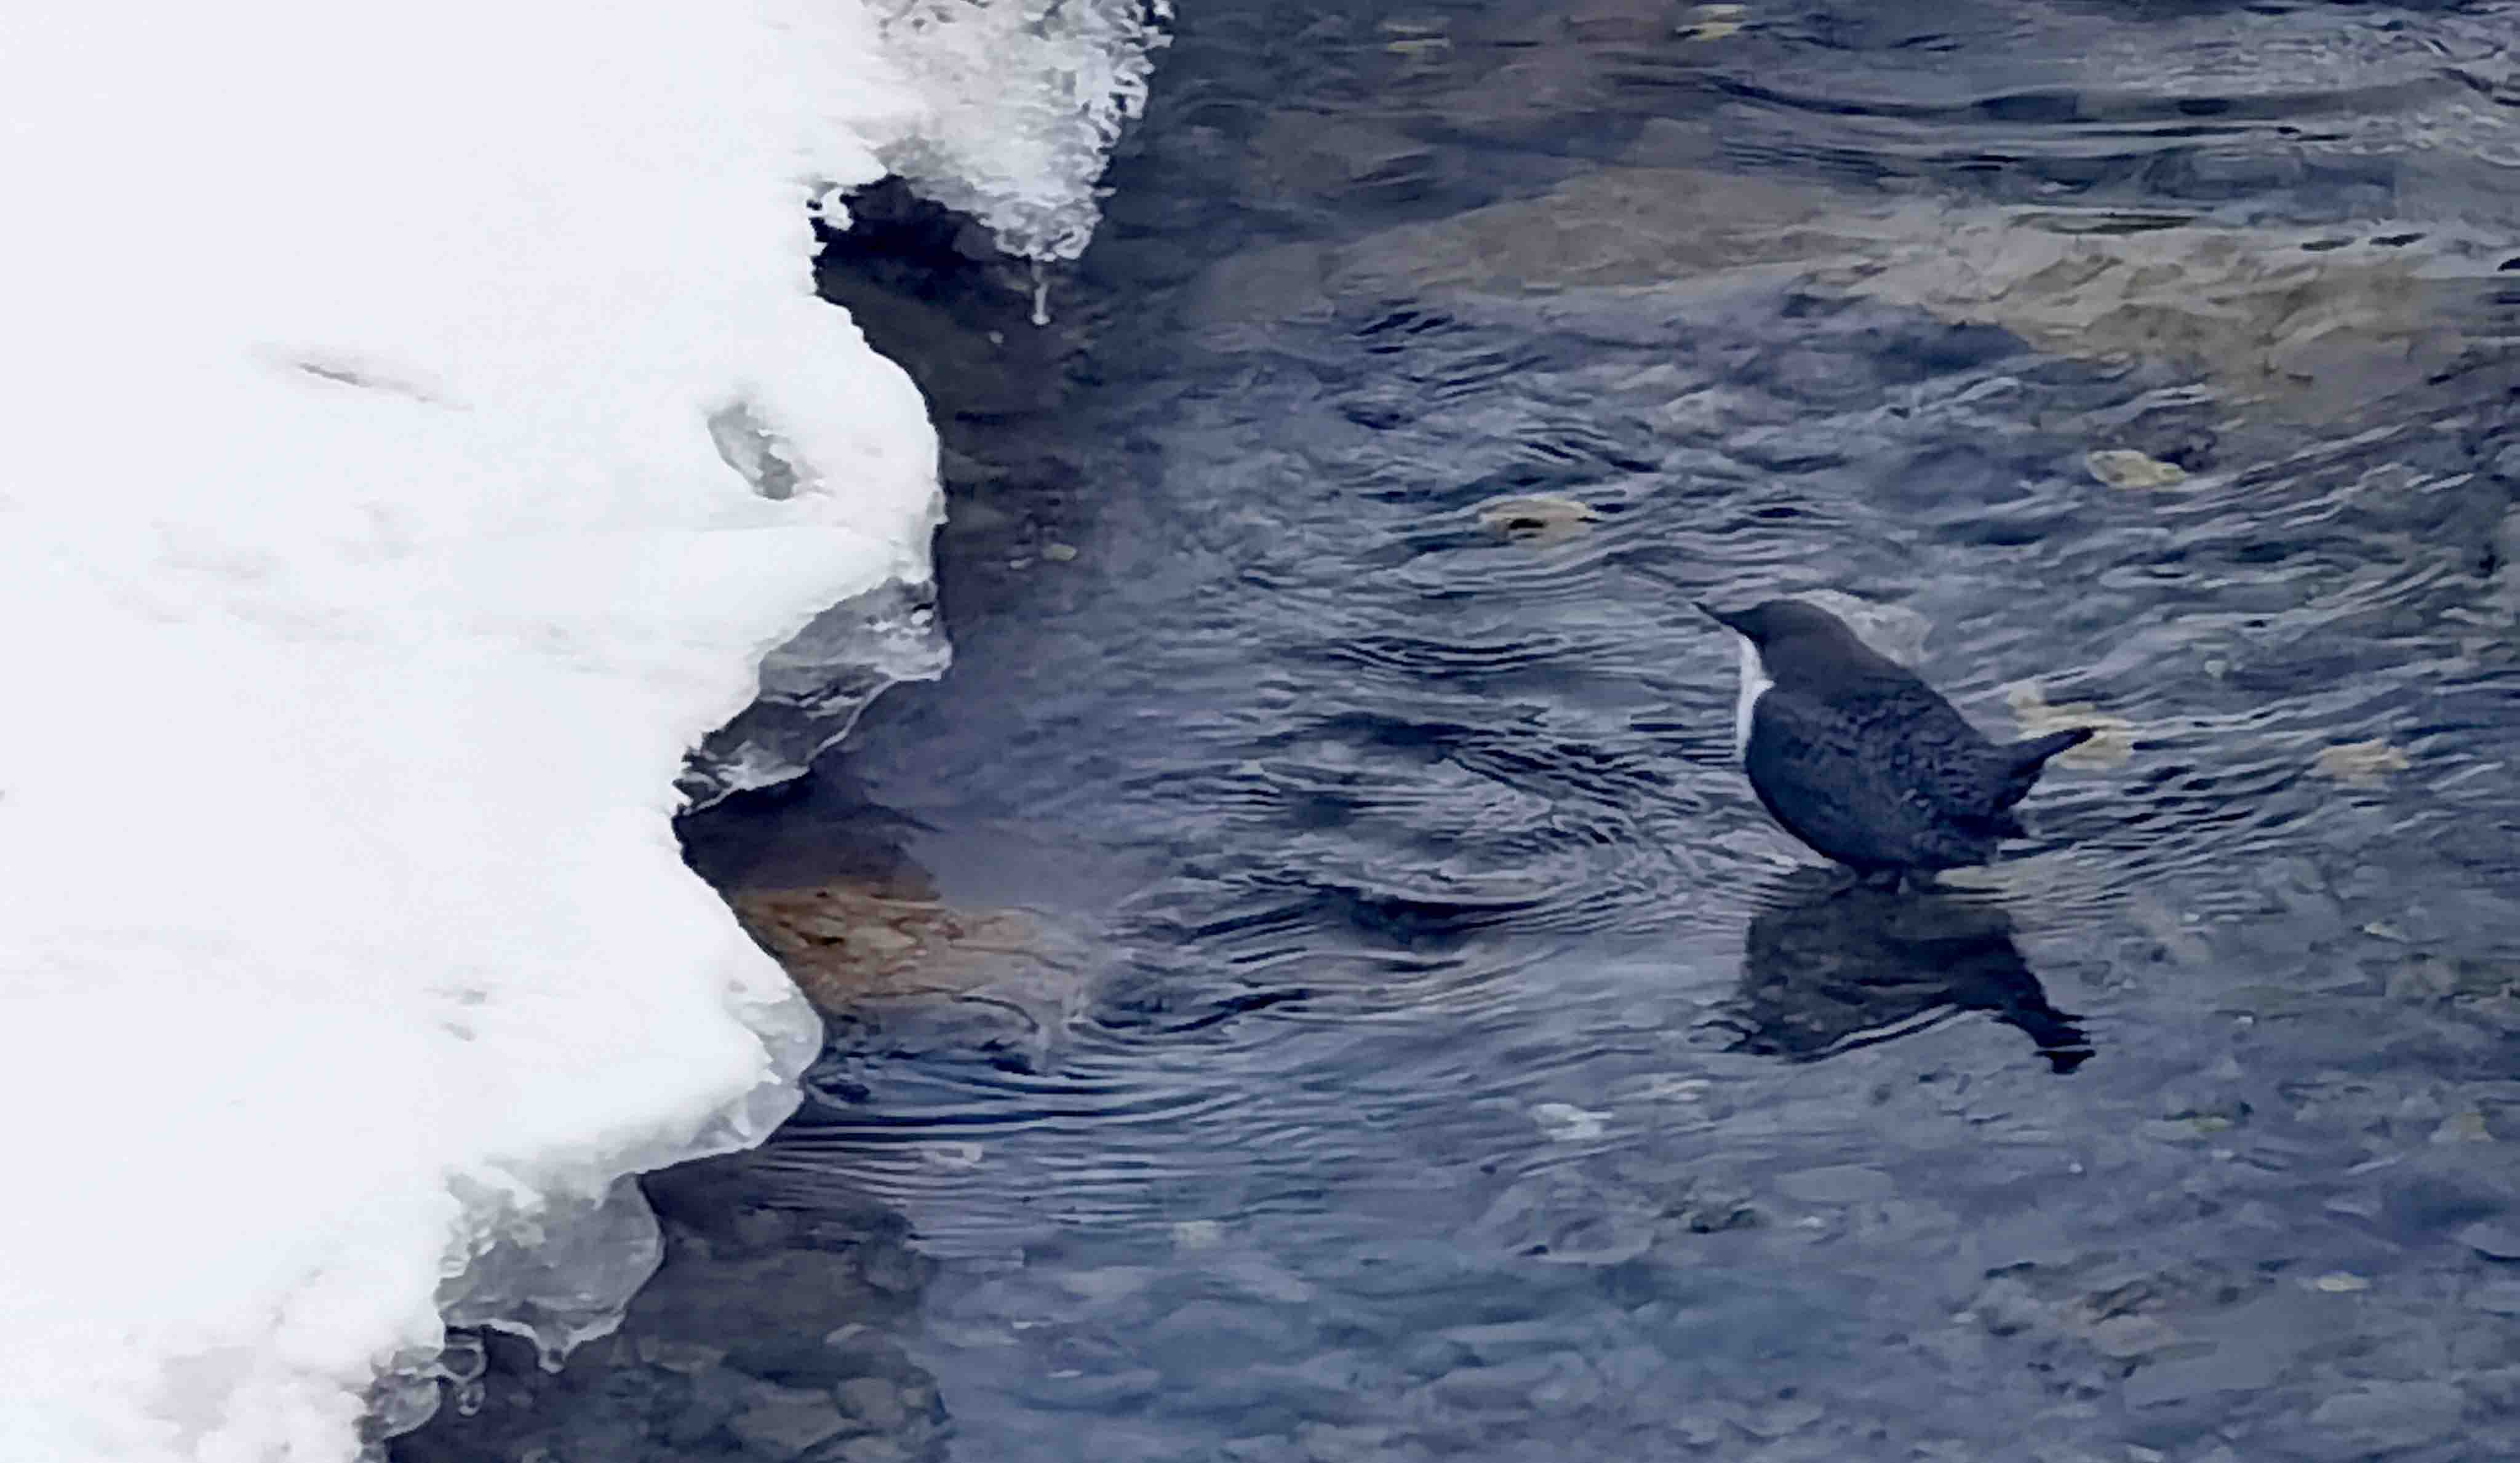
[[816, 686], [560, 1264]]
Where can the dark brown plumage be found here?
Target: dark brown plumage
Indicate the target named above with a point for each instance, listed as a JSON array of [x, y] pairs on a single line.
[[1859, 759]]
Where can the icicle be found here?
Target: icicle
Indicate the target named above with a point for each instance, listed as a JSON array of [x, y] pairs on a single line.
[[1040, 292]]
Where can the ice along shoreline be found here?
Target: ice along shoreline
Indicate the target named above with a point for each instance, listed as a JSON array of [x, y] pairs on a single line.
[[371, 586]]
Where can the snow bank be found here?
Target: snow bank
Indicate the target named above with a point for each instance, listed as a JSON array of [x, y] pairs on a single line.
[[373, 544]]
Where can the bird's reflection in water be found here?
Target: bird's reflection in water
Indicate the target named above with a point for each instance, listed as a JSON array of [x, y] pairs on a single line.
[[1830, 967]]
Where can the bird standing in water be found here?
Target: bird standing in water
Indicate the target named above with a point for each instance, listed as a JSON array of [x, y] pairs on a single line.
[[1863, 761]]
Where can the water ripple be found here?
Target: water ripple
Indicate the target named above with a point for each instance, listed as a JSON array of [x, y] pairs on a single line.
[[2151, 362]]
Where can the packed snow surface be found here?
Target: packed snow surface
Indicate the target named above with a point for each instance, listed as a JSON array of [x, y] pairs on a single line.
[[370, 561]]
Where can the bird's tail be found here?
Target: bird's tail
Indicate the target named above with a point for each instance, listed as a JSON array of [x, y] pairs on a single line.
[[2024, 761]]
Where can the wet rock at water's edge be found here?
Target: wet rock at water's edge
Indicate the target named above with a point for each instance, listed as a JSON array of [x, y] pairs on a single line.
[[896, 969]]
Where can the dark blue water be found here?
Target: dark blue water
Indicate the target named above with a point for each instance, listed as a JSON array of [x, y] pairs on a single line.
[[1461, 1066]]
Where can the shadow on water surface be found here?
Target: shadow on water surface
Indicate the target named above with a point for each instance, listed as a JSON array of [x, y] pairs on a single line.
[[1832, 965]]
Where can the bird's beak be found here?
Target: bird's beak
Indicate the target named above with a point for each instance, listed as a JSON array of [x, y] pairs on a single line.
[[1716, 615]]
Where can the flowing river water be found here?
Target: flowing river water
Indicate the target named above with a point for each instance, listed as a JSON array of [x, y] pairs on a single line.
[[1397, 1034]]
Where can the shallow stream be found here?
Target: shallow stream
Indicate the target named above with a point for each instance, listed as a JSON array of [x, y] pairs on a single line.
[[1408, 1039]]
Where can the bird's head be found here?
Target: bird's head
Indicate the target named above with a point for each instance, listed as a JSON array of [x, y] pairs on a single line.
[[1791, 637]]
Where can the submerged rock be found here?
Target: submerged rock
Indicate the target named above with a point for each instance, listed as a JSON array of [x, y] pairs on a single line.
[[2360, 763], [2492, 1240], [1713, 22], [2125, 468], [1538, 519], [2385, 1416], [782, 1422], [2286, 317], [876, 952], [765, 1335], [1564, 1219]]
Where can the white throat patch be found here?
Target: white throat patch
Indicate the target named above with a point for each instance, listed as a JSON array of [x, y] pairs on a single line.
[[1755, 682]]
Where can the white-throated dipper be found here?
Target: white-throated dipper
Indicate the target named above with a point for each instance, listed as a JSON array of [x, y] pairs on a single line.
[[1863, 761]]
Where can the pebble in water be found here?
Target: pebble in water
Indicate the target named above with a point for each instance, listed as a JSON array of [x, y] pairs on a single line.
[[2125, 468], [1198, 1235], [2361, 764], [1713, 22], [1566, 1123], [1540, 520]]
